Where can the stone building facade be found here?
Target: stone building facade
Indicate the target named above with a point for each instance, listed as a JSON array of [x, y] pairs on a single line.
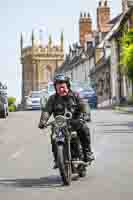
[[112, 86], [97, 57], [121, 86], [39, 64], [76, 65], [84, 58]]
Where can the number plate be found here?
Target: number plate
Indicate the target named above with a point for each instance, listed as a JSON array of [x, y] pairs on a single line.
[[60, 137]]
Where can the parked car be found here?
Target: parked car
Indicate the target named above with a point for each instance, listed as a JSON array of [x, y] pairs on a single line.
[[90, 95], [32, 101], [46, 93], [3, 105], [76, 86]]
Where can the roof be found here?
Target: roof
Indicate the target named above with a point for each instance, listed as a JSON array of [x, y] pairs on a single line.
[[111, 32], [73, 61], [115, 19], [100, 64], [115, 28], [121, 20]]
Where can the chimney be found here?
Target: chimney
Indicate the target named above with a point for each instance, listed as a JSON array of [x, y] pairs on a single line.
[[126, 4], [103, 16], [85, 27]]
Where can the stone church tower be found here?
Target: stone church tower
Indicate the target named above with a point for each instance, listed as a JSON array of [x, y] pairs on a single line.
[[85, 28], [103, 16], [39, 63]]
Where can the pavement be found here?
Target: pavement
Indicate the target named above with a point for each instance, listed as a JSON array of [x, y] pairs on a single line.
[[128, 109], [26, 160]]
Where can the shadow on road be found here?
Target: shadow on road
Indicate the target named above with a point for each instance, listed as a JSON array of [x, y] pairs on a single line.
[[44, 182]]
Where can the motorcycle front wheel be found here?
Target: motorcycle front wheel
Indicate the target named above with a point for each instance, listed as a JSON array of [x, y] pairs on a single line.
[[64, 165]]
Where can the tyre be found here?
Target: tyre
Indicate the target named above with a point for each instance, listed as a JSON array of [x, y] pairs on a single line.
[[64, 168]]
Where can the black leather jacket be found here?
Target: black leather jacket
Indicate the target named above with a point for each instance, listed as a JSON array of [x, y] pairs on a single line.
[[57, 105]]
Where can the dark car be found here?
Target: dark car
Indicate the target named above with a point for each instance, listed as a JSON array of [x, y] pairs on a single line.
[[90, 95]]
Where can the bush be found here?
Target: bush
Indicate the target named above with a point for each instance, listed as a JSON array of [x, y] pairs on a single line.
[[11, 104], [11, 101], [12, 108], [127, 54]]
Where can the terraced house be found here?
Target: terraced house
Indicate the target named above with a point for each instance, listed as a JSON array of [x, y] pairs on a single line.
[[82, 58], [97, 57], [112, 86]]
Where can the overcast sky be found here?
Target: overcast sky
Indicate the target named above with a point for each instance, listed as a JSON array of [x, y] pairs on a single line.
[[51, 16]]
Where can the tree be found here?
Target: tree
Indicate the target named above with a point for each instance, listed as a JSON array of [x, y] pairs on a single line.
[[127, 54]]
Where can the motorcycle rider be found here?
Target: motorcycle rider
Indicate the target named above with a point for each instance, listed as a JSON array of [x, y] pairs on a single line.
[[65, 98]]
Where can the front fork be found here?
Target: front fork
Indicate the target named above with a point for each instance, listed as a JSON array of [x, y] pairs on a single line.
[[68, 150], [66, 144]]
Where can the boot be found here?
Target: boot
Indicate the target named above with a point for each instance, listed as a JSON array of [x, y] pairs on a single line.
[[55, 165], [88, 155]]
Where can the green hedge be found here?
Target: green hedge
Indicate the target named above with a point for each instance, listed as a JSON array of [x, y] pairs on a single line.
[[11, 101], [11, 104], [12, 108]]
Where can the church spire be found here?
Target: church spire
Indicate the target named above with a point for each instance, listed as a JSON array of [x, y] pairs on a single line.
[[41, 37], [50, 41], [62, 40], [33, 39], [21, 42]]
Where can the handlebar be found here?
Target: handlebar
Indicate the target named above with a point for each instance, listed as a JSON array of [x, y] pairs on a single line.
[[53, 122], [49, 124]]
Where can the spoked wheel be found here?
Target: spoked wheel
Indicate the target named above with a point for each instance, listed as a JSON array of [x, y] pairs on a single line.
[[64, 168]]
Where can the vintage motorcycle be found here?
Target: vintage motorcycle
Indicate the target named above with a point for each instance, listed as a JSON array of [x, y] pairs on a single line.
[[69, 151]]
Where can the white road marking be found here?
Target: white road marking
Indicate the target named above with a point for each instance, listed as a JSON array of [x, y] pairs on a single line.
[[17, 154]]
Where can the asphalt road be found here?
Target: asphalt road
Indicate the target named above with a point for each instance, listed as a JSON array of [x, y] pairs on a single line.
[[26, 161]]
